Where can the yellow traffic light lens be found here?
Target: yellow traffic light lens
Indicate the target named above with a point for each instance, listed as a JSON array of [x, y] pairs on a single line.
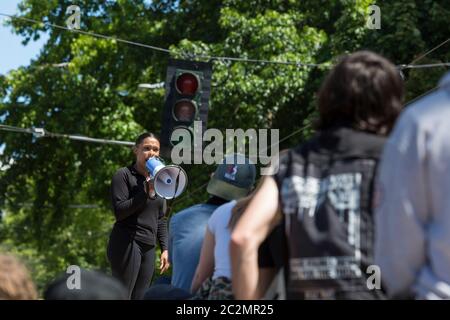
[[184, 111]]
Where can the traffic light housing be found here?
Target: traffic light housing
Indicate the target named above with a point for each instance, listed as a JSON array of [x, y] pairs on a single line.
[[188, 88]]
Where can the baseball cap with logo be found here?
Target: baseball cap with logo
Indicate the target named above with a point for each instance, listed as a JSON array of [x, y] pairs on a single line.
[[233, 178]]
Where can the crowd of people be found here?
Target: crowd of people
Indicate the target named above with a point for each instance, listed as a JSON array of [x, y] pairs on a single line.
[[367, 189]]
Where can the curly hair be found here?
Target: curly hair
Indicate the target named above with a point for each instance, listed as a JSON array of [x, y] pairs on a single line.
[[15, 280]]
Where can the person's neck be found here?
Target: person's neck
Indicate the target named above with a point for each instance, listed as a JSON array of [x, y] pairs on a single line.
[[140, 170]]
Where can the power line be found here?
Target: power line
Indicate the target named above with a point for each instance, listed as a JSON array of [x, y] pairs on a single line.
[[430, 51], [71, 206], [92, 34], [219, 58], [423, 66], [194, 55], [41, 132]]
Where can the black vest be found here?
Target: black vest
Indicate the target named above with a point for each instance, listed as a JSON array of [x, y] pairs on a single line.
[[325, 188]]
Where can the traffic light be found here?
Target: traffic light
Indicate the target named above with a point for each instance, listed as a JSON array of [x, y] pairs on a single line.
[[188, 87]]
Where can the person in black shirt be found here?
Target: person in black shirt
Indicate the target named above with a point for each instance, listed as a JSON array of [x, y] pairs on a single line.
[[140, 220], [317, 205]]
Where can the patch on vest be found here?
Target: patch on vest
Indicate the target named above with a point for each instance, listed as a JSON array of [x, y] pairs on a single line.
[[301, 198]]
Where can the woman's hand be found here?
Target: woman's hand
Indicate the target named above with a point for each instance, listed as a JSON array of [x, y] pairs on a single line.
[[150, 188], [165, 264]]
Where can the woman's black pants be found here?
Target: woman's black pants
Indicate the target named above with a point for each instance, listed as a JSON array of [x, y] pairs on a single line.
[[132, 262]]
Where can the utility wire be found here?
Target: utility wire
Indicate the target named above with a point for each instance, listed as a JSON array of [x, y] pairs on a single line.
[[40, 132], [98, 35], [423, 66], [430, 51], [71, 206], [219, 58], [92, 34]]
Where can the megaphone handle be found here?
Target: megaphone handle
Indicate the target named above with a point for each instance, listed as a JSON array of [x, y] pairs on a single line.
[[176, 183], [150, 188]]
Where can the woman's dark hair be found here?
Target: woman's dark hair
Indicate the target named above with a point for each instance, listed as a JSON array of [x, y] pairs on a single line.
[[364, 90], [144, 136]]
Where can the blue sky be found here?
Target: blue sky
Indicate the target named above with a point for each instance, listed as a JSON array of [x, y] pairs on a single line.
[[13, 53]]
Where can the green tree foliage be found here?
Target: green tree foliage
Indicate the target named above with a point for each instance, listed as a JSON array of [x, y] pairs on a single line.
[[97, 95]]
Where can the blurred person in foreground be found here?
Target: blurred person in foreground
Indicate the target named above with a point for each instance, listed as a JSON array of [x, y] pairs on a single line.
[[91, 285], [15, 280], [317, 206], [413, 210]]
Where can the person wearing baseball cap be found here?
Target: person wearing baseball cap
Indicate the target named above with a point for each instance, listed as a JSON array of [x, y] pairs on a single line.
[[233, 179]]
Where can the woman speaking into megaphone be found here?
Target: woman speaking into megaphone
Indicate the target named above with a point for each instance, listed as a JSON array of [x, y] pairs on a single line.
[[140, 221]]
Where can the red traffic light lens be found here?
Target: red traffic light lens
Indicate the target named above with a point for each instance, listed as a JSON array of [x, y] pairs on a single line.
[[187, 83], [184, 111]]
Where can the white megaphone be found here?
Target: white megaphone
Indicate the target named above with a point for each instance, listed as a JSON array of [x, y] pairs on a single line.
[[169, 181]]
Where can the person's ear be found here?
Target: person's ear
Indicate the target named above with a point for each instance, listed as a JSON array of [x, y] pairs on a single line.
[[135, 149]]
